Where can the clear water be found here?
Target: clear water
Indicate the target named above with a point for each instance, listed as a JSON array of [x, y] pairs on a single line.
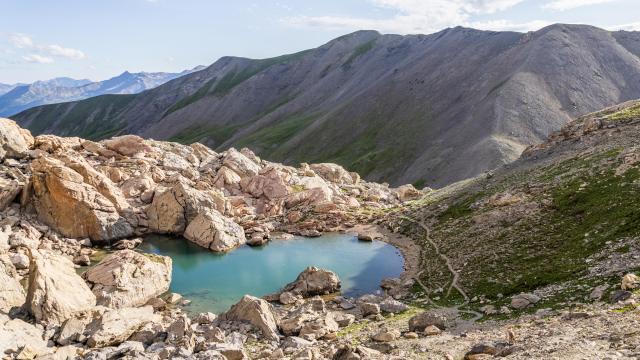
[[214, 282]]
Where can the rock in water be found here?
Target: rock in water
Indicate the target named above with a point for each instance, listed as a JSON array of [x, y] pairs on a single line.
[[214, 231], [127, 278], [314, 281], [11, 292], [15, 141], [76, 209], [258, 313], [56, 292]]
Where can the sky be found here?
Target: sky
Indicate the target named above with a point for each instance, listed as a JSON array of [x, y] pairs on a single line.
[[98, 39]]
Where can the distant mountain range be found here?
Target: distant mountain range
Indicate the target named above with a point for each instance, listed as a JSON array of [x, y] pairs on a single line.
[[422, 109], [19, 97]]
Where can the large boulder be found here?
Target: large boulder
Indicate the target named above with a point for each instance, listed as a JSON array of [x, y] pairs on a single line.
[[127, 278], [114, 326], [11, 291], [240, 164], [17, 335], [15, 141], [272, 183], [76, 209], [258, 313], [314, 281], [214, 231], [127, 145], [335, 173], [408, 192], [173, 209], [56, 292], [97, 180]]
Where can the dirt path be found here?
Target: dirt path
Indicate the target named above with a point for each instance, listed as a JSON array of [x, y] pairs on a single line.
[[456, 275]]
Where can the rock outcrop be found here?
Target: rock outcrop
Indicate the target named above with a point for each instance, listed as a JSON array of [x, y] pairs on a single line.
[[256, 312], [314, 281], [65, 201], [127, 278], [212, 230], [15, 141], [55, 291], [12, 293]]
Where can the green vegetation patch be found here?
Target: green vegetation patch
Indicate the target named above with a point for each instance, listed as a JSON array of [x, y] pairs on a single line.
[[233, 78], [271, 136], [196, 133], [630, 113], [360, 50]]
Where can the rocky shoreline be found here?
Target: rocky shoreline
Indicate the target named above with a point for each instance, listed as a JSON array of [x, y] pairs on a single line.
[[62, 197]]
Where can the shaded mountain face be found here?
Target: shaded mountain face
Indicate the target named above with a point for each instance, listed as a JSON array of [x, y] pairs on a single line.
[[20, 97], [422, 109]]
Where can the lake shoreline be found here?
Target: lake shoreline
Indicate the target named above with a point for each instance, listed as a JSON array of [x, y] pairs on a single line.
[[409, 250]]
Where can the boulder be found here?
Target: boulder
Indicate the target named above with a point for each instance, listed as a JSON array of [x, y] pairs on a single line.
[[97, 180], [114, 326], [9, 190], [390, 305], [321, 327], [16, 335], [173, 209], [11, 291], [369, 309], [272, 183], [386, 335], [408, 192], [335, 173], [56, 292], [212, 230], [258, 313], [522, 301], [287, 298], [15, 141], [74, 208], [314, 281], [420, 322], [127, 145], [630, 282], [240, 164], [127, 278]]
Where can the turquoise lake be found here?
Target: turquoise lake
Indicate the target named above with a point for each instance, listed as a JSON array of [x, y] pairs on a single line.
[[214, 282]]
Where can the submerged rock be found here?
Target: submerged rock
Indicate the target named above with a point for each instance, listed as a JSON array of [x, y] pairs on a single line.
[[127, 278]]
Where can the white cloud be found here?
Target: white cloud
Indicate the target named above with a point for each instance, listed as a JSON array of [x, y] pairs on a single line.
[[20, 41], [57, 50], [35, 58], [563, 5], [43, 54], [506, 25], [628, 27], [411, 16]]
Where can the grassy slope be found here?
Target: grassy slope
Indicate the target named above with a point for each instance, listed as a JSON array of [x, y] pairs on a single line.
[[578, 207]]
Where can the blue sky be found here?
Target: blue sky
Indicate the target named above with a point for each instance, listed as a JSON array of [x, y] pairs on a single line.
[[97, 39]]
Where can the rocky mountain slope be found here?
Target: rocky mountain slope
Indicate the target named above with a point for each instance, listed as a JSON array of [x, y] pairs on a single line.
[[422, 109], [536, 259], [20, 97]]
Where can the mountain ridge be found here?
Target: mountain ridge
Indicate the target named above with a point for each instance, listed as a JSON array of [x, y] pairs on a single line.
[[424, 109], [21, 97]]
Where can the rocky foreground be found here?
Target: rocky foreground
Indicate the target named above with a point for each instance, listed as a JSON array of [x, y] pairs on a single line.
[[537, 260], [60, 198]]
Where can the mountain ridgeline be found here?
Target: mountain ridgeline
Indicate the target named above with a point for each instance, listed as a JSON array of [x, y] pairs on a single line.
[[422, 109]]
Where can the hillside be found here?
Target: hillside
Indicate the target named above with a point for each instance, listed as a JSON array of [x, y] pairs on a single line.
[[559, 221], [422, 109], [20, 97]]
